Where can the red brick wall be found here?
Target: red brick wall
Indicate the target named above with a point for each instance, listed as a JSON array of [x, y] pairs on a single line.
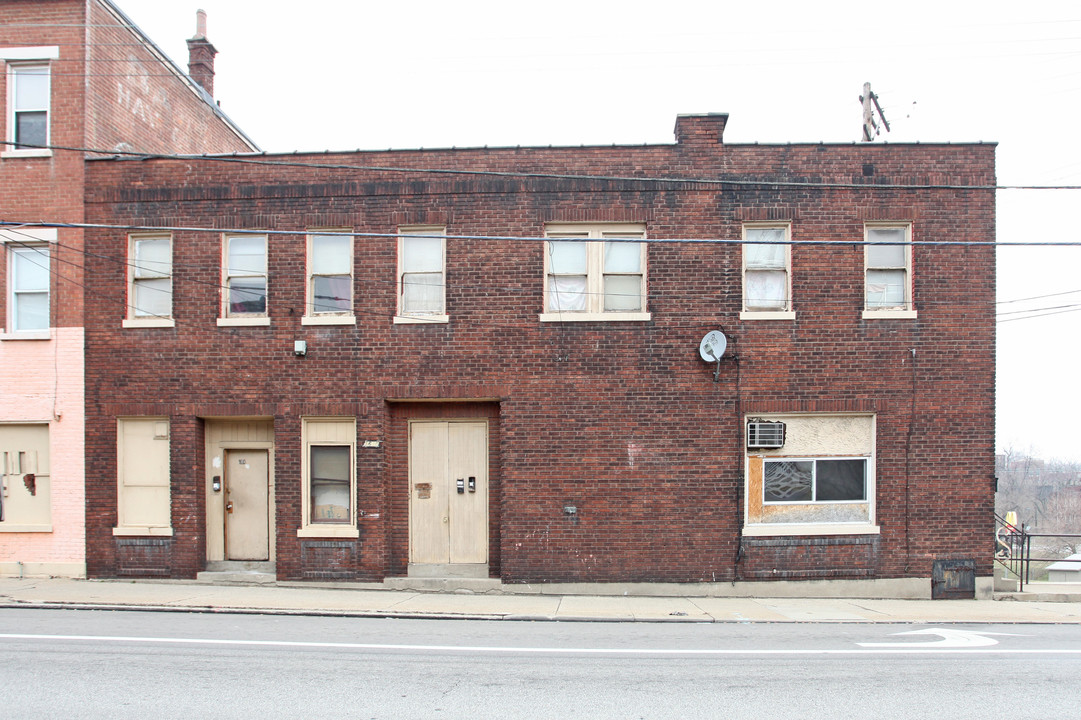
[[622, 420]]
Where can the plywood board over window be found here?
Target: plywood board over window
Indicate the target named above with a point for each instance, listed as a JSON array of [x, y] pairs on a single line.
[[143, 495], [25, 483]]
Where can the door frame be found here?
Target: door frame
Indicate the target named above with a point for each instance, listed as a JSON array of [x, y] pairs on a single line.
[[487, 474], [215, 501]]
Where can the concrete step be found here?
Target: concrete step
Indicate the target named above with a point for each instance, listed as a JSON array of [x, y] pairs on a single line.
[[239, 572], [443, 585]]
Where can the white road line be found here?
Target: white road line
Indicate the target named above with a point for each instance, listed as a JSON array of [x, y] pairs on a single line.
[[893, 650]]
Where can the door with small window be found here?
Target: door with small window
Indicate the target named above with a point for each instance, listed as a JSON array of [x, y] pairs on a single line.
[[448, 502]]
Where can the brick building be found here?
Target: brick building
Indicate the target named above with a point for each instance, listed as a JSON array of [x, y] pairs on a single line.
[[75, 74], [489, 363]]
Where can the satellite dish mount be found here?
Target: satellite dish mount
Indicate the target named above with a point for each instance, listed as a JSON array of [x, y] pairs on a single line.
[[712, 348]]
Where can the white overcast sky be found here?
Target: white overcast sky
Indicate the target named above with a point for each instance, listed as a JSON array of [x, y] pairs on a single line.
[[328, 74]]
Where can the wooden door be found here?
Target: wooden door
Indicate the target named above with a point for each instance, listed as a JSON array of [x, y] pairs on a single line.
[[247, 505]]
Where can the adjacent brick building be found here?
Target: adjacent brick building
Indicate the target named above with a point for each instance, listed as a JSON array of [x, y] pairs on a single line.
[[499, 363], [75, 74]]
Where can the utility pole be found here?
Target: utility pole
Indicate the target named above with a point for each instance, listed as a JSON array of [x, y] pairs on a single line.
[[870, 107]]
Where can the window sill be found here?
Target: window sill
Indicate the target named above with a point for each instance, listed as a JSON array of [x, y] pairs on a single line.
[[27, 335], [142, 531], [33, 153], [768, 315], [14, 527], [243, 321], [595, 317], [148, 322], [328, 531], [328, 320], [783, 529], [421, 319], [889, 314]]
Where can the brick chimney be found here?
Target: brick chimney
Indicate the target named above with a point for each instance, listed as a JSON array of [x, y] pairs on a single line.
[[201, 55], [707, 128]]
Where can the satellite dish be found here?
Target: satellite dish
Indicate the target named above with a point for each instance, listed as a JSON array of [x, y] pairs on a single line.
[[713, 346]]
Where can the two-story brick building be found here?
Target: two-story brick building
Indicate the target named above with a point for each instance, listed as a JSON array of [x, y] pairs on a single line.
[[74, 75], [500, 363]]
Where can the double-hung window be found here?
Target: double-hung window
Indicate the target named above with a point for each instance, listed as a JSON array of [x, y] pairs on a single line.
[[594, 273], [330, 280], [888, 267], [767, 276], [29, 280], [422, 295], [150, 291], [329, 472], [244, 291], [29, 102]]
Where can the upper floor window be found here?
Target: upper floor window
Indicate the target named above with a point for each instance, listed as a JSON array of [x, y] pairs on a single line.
[[29, 282], [595, 272], [767, 275], [422, 258], [150, 289], [244, 292], [888, 263], [28, 99], [330, 280]]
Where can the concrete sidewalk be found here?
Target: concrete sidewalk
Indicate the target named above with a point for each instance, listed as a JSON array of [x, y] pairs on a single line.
[[373, 601]]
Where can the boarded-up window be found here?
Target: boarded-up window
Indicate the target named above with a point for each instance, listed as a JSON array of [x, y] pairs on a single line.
[[143, 473], [24, 464]]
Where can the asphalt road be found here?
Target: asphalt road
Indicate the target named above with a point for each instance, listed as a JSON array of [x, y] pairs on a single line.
[[113, 664]]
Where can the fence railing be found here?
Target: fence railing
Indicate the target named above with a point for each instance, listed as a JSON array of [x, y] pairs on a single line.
[[1013, 549]]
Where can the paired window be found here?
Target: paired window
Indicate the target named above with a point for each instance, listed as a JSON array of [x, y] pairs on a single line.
[[888, 261], [244, 291], [143, 505], [595, 273], [28, 106], [815, 477], [767, 276], [422, 255], [24, 478], [150, 281], [329, 470], [330, 280]]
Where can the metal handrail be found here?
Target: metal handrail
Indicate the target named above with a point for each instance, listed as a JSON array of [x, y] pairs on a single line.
[[1013, 549]]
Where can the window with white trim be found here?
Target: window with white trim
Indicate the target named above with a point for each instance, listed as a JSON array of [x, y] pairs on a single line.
[[329, 472], [422, 253], [150, 290], [595, 272], [28, 103], [767, 262], [888, 261], [330, 277], [820, 481], [143, 477], [245, 277], [28, 279]]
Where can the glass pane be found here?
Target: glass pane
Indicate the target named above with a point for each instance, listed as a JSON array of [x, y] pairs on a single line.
[[622, 257], [787, 481], [623, 292], [247, 256], [567, 258], [886, 235], [331, 255], [766, 289], [886, 256], [567, 293], [31, 311], [153, 297], [771, 255], [31, 268], [840, 480], [31, 128], [153, 258], [31, 88], [422, 254], [332, 294], [765, 235], [422, 293], [330, 484], [885, 288], [247, 295]]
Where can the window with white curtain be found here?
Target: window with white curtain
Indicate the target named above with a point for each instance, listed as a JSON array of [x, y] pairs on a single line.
[[150, 293], [767, 277], [595, 272], [330, 275], [422, 274], [888, 256]]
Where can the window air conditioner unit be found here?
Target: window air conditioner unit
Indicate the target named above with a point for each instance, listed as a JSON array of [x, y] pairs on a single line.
[[765, 434]]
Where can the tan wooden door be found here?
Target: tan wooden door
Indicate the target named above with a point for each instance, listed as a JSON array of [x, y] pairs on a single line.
[[247, 506], [448, 526]]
